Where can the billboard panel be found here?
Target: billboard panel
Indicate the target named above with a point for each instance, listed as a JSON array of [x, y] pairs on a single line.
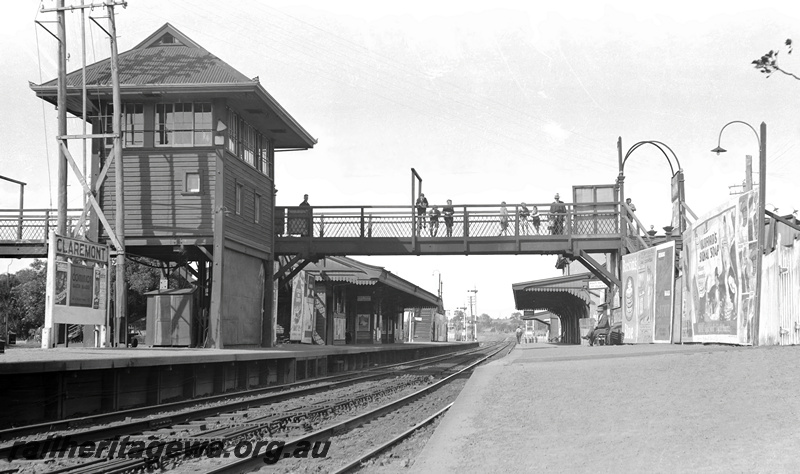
[[302, 323], [648, 280], [719, 258]]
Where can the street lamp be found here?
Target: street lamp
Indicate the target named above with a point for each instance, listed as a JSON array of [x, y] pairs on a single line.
[[676, 176], [440, 281], [762, 195], [676, 183]]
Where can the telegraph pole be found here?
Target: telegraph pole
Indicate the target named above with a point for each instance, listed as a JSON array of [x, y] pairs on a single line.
[[473, 306], [121, 300], [117, 234], [61, 103]]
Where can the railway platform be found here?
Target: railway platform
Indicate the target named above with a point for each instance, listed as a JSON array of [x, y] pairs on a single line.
[[53, 384], [633, 408]]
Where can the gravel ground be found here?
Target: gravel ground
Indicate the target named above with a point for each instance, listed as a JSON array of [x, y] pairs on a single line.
[[625, 409]]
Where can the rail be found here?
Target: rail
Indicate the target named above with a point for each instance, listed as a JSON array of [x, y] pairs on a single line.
[[32, 224], [468, 220]]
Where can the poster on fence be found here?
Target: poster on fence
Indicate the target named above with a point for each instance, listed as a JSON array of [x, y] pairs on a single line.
[[720, 264], [648, 283], [302, 324], [664, 289], [77, 284]]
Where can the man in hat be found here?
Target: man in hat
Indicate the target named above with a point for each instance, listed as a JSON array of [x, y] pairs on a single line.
[[602, 326], [557, 213]]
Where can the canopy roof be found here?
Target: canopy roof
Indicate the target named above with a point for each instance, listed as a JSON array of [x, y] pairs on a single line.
[[347, 270], [553, 294]]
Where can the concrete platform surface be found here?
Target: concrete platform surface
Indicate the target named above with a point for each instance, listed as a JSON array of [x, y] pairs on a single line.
[[648, 408], [33, 360]]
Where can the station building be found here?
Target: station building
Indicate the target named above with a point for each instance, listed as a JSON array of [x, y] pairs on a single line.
[[355, 303]]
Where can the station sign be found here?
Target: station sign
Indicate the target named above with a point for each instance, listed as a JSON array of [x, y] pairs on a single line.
[[77, 285]]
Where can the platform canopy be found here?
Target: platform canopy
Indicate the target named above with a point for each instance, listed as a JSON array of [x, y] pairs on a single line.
[[567, 297], [347, 270], [553, 293]]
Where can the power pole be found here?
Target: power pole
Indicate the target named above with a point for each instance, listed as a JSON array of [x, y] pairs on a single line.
[[61, 103], [473, 306], [747, 184], [121, 300], [117, 233]]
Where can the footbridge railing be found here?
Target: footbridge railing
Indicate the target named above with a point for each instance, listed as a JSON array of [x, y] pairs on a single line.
[[23, 233], [468, 222]]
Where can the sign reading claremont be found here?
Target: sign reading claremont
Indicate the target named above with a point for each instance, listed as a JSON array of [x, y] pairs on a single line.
[[77, 287]]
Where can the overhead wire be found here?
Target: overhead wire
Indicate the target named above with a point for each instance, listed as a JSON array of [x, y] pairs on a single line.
[[44, 112]]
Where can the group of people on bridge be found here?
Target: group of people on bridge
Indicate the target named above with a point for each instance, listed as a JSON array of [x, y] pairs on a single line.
[[529, 218]]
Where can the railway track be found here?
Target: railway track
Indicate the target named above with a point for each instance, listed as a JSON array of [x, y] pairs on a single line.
[[289, 414]]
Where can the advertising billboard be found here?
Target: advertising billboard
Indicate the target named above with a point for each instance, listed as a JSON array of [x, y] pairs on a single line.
[[720, 273], [648, 279]]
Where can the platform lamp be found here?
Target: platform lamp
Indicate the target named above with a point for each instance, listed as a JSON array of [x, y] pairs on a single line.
[[676, 182], [762, 195]]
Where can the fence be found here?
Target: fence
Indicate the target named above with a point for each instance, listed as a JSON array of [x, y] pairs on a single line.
[[780, 296]]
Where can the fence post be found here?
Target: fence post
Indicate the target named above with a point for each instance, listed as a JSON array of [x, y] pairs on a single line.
[[310, 222], [466, 222], [46, 224], [362, 222], [568, 224], [19, 226]]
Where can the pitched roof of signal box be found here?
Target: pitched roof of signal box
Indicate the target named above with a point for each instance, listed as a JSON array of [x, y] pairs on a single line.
[[169, 61]]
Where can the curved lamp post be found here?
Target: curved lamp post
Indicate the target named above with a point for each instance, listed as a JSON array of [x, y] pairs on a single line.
[[676, 176], [762, 195]]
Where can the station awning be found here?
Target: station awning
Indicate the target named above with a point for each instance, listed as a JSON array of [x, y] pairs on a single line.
[[347, 270], [553, 294]]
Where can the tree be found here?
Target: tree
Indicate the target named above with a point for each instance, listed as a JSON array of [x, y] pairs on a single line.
[[768, 63], [144, 275], [484, 320], [28, 299], [23, 294]]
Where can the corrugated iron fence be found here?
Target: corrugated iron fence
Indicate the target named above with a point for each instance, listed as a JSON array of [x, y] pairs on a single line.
[[780, 295]]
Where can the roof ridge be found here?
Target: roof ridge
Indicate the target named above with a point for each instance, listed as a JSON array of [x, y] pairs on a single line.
[[159, 33]]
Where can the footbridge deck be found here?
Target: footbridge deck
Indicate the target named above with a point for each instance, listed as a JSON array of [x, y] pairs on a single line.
[[309, 233], [474, 229]]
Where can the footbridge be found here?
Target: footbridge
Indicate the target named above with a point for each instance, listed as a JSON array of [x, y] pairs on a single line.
[[305, 234], [309, 233]]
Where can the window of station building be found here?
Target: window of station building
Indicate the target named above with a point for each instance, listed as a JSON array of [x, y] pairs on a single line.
[[183, 124], [256, 208], [191, 183], [339, 295], [239, 198], [132, 124]]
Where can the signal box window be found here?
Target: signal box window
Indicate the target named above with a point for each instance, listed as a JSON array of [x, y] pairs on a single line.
[[183, 124], [239, 197], [191, 184]]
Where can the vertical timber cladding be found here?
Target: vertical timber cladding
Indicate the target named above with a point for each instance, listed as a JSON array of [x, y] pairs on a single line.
[[247, 234], [242, 302]]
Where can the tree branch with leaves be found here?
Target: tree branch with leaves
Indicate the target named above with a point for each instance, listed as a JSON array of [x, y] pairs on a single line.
[[768, 63]]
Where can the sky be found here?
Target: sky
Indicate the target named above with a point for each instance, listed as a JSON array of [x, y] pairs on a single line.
[[488, 101]]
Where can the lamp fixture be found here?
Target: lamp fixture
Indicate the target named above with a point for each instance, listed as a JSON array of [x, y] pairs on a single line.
[[718, 150], [221, 127]]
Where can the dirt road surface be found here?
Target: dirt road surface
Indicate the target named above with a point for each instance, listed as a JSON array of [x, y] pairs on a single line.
[[648, 408]]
